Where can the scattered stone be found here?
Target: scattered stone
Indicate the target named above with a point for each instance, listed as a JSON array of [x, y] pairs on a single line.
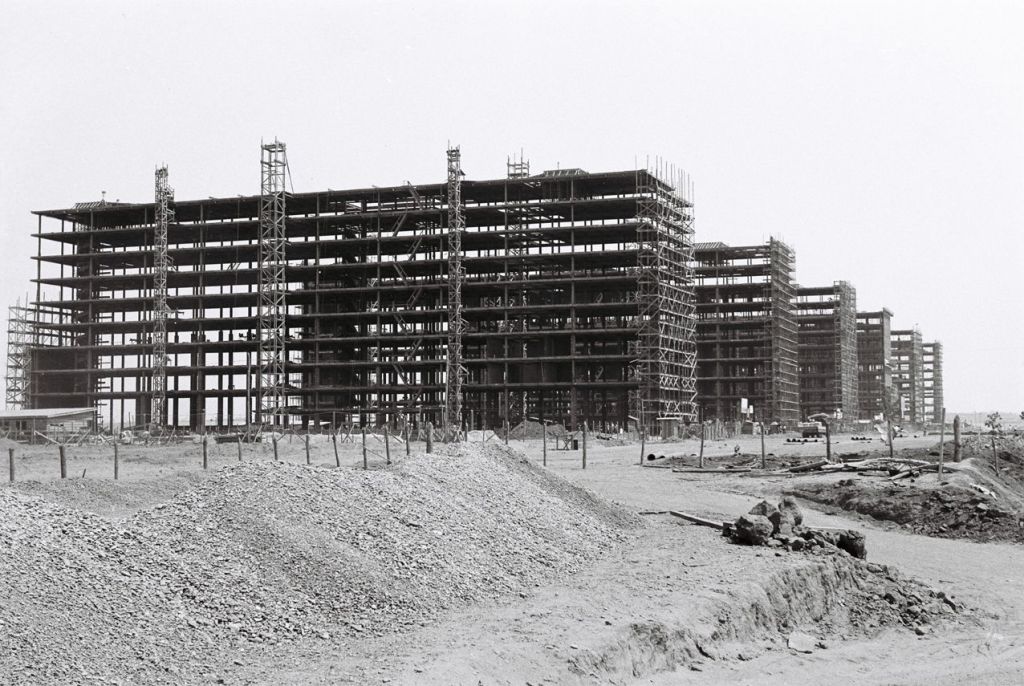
[[752, 529], [788, 504]]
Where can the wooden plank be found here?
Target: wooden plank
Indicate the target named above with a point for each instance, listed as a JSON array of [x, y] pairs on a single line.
[[700, 520], [697, 470]]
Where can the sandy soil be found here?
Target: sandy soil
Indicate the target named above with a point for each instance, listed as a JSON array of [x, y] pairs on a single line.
[[673, 575]]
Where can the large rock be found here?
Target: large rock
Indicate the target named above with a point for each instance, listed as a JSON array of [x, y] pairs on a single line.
[[764, 509], [788, 504], [752, 529], [782, 523], [853, 542]]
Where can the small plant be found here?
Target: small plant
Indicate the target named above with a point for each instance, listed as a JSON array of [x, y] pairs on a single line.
[[995, 423]]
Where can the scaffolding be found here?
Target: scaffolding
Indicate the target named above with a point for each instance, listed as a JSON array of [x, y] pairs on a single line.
[[368, 327], [827, 319], [874, 364], [273, 286], [455, 371], [514, 300], [20, 338], [746, 332], [163, 216], [933, 392]]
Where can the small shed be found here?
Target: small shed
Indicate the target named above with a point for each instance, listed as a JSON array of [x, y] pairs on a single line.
[[53, 421]]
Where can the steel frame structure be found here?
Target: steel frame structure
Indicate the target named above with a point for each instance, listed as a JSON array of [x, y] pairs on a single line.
[[874, 364], [362, 326], [20, 338], [908, 374], [827, 350], [746, 332], [934, 397]]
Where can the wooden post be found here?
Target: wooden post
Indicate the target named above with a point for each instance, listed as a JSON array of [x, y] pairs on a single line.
[[334, 440], [273, 439], [828, 441], [366, 464], [505, 426], [956, 438], [64, 462], [700, 459], [387, 446], [239, 448], [995, 455], [10, 459], [888, 424], [584, 444], [544, 441], [942, 441], [643, 445], [405, 432], [430, 437], [117, 465], [764, 464]]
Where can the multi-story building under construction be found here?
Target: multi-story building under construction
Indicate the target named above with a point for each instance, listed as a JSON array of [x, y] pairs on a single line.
[[874, 363], [931, 363], [827, 352], [908, 374], [746, 332], [562, 296]]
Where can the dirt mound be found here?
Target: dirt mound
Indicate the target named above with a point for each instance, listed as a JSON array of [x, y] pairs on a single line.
[[261, 552]]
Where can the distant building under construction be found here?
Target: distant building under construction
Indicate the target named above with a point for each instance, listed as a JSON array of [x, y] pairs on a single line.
[[562, 296]]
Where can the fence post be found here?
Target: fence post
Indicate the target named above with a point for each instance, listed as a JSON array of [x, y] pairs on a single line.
[[584, 444], [505, 426], [366, 464], [239, 448], [10, 458], [273, 439], [307, 450], [430, 437], [117, 465], [334, 440], [544, 435], [942, 441], [643, 445], [387, 445], [763, 465], [205, 464], [956, 438], [64, 462], [828, 440]]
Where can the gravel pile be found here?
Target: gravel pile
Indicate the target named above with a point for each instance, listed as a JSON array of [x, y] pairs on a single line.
[[263, 552]]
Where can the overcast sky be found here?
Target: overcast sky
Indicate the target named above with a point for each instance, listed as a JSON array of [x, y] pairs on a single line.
[[883, 140]]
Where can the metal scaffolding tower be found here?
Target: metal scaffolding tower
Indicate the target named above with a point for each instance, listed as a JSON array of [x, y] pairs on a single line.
[[455, 371], [20, 337], [272, 284], [164, 215], [515, 274]]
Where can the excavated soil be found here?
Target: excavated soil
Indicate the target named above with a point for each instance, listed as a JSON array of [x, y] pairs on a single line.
[[264, 553], [976, 502]]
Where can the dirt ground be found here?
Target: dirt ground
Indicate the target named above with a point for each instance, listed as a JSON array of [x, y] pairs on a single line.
[[612, 622]]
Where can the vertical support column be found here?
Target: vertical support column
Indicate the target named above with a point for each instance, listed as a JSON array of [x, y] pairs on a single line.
[[455, 370], [164, 215], [273, 285]]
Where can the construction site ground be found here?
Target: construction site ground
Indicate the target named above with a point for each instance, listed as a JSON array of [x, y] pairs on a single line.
[[664, 602]]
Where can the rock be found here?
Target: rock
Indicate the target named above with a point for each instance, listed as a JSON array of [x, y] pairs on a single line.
[[764, 509], [922, 630], [752, 529], [801, 642], [853, 542], [797, 544], [782, 523], [788, 504]]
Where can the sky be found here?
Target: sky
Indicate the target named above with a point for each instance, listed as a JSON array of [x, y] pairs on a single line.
[[884, 141]]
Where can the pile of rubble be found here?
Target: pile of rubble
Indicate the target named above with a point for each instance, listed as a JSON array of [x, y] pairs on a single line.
[[262, 552], [782, 525]]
